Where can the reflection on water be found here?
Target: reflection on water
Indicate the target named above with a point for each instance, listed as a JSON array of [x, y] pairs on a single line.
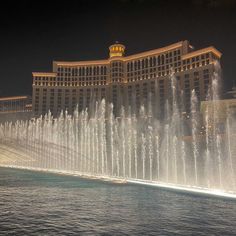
[[33, 203]]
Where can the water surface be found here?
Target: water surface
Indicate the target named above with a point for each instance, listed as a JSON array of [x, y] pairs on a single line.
[[34, 203]]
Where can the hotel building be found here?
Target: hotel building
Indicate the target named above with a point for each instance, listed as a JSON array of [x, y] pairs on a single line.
[[124, 80], [16, 107]]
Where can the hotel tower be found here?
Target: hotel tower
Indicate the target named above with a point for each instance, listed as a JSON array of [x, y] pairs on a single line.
[[126, 80]]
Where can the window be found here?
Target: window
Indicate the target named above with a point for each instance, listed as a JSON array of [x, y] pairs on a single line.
[[186, 76]]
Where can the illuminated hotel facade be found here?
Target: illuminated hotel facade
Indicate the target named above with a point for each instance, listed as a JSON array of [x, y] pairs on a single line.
[[124, 80]]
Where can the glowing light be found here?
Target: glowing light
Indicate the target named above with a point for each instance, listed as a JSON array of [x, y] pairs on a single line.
[[190, 189], [13, 98]]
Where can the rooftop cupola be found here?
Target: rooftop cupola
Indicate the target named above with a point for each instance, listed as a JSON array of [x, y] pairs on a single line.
[[117, 50]]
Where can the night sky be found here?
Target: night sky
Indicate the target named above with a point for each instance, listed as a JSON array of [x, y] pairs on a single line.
[[34, 33]]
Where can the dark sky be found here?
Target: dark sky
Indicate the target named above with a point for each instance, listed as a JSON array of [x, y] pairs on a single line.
[[34, 33]]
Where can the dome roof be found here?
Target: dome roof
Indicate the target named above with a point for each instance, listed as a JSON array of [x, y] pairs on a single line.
[[117, 50]]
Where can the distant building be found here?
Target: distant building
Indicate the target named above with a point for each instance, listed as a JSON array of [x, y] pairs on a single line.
[[216, 112], [125, 80], [231, 93], [220, 108], [16, 107]]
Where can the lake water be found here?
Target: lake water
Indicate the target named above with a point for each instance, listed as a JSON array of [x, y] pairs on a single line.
[[34, 203]]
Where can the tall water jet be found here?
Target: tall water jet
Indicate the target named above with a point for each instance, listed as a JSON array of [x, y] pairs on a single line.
[[194, 134], [103, 138], [123, 140], [208, 166], [150, 150], [130, 147], [215, 93], [135, 153], [143, 152], [117, 149], [158, 157], [111, 119], [183, 157], [166, 136], [228, 132], [175, 159]]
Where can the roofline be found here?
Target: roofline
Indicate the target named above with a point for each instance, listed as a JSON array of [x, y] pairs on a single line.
[[44, 74], [140, 55], [155, 51], [202, 51], [81, 63], [13, 98], [127, 58]]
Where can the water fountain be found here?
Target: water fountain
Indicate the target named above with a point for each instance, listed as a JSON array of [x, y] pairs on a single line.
[[135, 147]]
